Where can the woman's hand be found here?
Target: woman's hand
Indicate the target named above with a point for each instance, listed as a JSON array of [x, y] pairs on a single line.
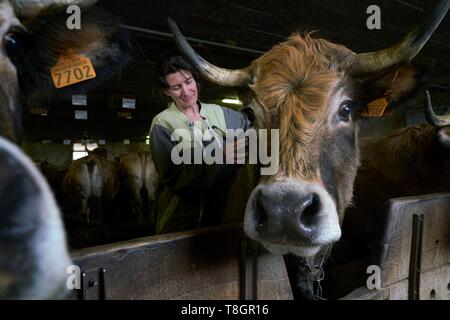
[[236, 152]]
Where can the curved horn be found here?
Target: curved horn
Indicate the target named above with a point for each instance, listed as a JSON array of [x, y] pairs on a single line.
[[406, 49], [433, 118], [221, 76], [31, 8]]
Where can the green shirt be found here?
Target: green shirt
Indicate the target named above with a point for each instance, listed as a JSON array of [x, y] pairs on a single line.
[[193, 194]]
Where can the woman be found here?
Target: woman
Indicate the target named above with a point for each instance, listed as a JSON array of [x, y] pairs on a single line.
[[194, 190]]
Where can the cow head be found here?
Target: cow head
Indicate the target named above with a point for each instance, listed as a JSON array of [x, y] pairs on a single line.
[[309, 89], [33, 34]]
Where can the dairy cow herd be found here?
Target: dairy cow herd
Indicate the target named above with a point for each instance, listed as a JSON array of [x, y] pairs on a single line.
[[94, 188]]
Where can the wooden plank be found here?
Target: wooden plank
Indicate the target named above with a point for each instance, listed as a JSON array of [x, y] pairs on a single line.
[[199, 264], [273, 281], [362, 293], [398, 291], [393, 244], [433, 284]]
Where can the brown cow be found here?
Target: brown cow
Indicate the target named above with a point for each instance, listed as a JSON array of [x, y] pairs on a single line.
[[33, 35], [308, 89], [140, 179], [91, 180], [51, 174], [407, 162]]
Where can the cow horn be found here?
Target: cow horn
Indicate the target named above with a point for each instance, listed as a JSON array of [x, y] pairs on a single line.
[[221, 76], [406, 49], [433, 118], [31, 8]]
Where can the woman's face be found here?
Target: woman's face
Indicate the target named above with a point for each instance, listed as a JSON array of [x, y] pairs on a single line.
[[182, 89]]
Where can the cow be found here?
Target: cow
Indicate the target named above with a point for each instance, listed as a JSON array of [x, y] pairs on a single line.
[[311, 90], [51, 174], [33, 250], [407, 162], [91, 180], [140, 180]]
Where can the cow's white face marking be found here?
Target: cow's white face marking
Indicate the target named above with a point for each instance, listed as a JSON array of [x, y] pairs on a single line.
[[309, 240], [36, 269]]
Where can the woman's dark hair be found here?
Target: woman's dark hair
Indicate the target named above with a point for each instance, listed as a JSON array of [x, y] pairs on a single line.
[[171, 64]]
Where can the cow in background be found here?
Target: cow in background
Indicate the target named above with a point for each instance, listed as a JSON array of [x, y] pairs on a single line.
[[51, 173], [91, 181], [34, 34], [407, 162], [140, 182], [310, 90]]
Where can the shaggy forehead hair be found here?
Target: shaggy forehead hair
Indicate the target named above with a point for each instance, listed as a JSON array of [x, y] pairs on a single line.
[[294, 82]]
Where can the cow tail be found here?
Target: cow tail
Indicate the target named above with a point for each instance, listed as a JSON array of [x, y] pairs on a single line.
[[143, 168], [90, 165], [90, 171]]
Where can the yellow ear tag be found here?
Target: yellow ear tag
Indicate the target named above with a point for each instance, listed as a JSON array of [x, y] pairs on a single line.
[[71, 69], [375, 108]]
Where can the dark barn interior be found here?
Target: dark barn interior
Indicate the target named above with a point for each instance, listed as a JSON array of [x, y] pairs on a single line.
[[230, 34]]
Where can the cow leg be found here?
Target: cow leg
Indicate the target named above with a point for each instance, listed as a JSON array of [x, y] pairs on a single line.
[[99, 210], [136, 202], [138, 209], [151, 185], [85, 210], [151, 207], [100, 217], [137, 212]]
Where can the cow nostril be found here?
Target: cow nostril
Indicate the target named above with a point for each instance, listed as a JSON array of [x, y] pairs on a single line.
[[309, 207], [261, 215]]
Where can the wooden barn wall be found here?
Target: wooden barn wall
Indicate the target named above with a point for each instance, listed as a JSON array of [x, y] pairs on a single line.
[[58, 154]]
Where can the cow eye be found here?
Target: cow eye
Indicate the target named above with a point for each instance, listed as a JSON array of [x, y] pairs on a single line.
[[13, 45], [345, 110]]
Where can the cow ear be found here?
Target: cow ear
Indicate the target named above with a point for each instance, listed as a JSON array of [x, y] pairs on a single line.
[[398, 83], [395, 84], [102, 39], [256, 114], [444, 136]]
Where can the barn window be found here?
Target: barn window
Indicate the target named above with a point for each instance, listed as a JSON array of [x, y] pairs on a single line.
[[80, 150]]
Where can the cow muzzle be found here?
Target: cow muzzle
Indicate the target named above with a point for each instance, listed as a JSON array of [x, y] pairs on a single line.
[[292, 217], [33, 250]]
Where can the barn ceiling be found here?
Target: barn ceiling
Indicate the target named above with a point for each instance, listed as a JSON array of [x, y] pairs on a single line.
[[229, 33]]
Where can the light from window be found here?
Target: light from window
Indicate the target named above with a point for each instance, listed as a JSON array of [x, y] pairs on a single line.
[[80, 150]]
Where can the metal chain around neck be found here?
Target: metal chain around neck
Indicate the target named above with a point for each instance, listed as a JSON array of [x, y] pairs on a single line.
[[316, 273]]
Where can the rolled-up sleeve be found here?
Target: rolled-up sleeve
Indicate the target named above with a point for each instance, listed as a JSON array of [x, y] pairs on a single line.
[[236, 120]]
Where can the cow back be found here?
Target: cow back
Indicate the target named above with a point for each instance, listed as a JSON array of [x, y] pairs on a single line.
[[92, 175], [138, 171]]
